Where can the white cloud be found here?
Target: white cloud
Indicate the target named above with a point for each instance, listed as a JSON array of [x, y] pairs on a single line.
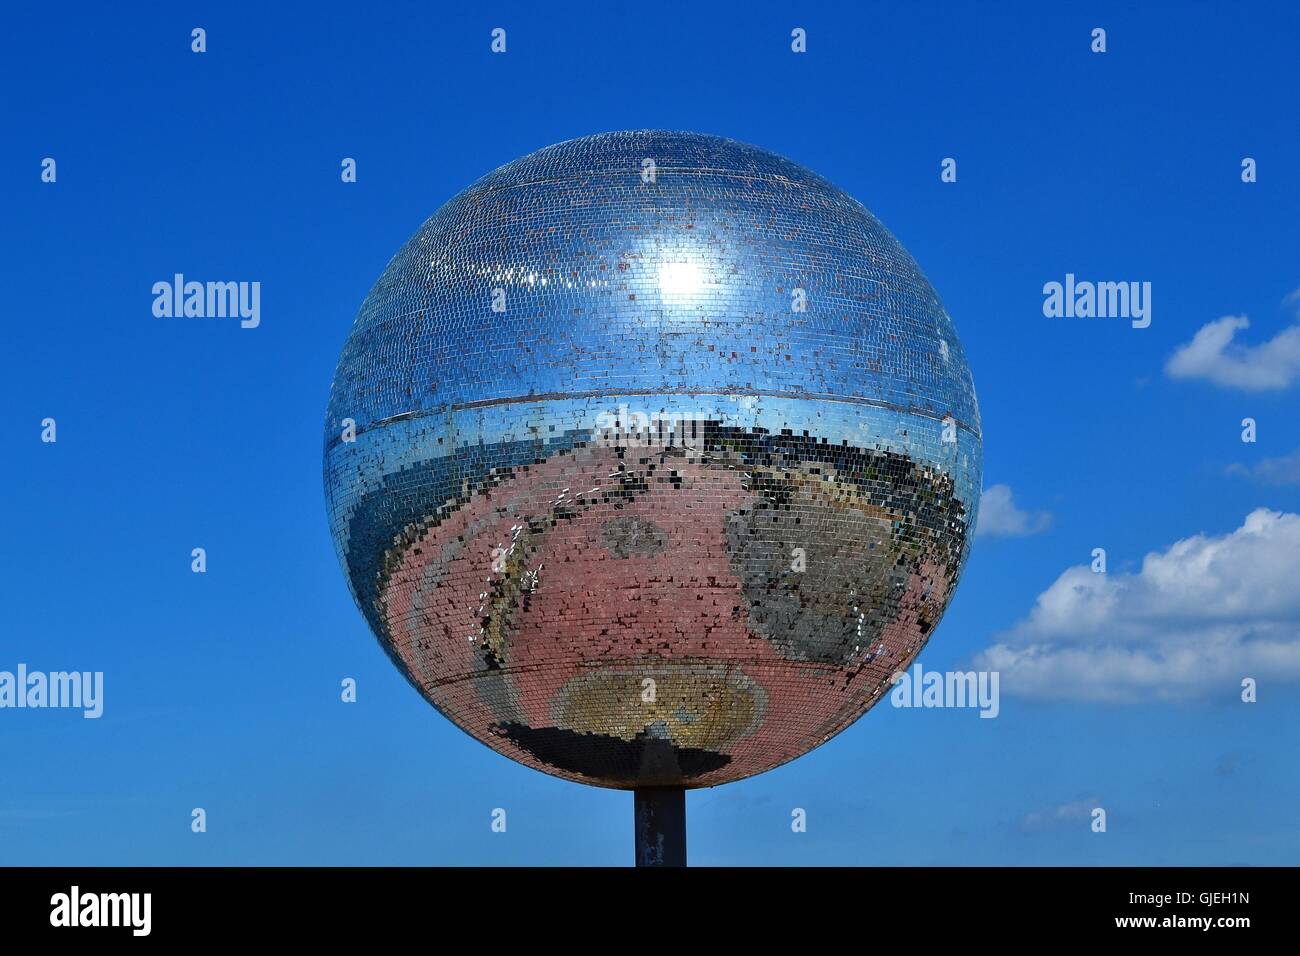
[[1197, 618], [1213, 356], [1000, 518], [1284, 470]]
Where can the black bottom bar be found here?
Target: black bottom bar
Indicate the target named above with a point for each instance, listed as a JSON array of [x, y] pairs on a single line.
[[234, 906], [660, 826]]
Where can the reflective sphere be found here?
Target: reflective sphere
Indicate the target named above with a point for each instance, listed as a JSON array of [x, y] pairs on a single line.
[[650, 458]]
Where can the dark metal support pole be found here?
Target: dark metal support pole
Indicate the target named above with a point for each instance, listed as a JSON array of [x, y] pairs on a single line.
[[660, 826]]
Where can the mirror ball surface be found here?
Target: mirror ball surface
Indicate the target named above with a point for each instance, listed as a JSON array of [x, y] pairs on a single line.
[[650, 458]]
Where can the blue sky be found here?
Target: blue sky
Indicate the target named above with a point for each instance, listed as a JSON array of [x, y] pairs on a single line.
[[222, 689]]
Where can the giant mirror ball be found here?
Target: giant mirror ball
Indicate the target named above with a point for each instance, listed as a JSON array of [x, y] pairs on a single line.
[[650, 458]]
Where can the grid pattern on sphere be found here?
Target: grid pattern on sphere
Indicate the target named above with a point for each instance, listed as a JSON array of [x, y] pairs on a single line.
[[655, 474], [612, 284]]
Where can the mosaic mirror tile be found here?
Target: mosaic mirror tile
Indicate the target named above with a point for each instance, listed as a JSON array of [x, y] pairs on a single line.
[[663, 456]]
